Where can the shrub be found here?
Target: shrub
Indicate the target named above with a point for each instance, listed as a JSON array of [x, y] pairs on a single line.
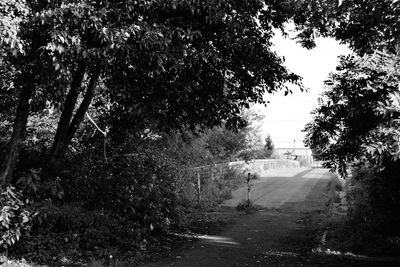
[[376, 198], [6, 262], [221, 189], [15, 219], [75, 233], [373, 211], [247, 206], [254, 153], [94, 209]]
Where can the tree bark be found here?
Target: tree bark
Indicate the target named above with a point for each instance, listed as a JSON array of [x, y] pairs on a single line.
[[21, 118], [66, 115], [80, 113]]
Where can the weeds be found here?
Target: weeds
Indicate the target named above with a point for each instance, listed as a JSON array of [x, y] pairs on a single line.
[[247, 206], [334, 187], [7, 262]]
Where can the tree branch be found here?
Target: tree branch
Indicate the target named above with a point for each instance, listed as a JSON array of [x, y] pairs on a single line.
[[103, 133]]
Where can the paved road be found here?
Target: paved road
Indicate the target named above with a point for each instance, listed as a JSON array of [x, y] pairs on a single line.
[[282, 233], [286, 188], [277, 235]]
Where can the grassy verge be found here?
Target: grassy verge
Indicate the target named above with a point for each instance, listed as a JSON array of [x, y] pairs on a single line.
[[334, 187], [354, 232]]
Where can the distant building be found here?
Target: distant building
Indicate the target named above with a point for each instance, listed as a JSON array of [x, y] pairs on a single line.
[[301, 151], [302, 154]]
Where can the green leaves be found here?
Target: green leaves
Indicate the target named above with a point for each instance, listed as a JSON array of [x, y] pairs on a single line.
[[199, 62], [15, 219], [166, 64], [12, 13], [364, 25], [357, 118]]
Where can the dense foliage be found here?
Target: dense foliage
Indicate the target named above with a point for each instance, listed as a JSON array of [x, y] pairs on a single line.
[[351, 114], [160, 65], [357, 122], [14, 217], [163, 85], [106, 105]]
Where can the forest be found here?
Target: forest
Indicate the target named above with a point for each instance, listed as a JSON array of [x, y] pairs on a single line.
[[105, 106]]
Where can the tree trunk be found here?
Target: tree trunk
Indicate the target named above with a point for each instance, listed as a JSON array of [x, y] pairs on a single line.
[[80, 113], [66, 115], [21, 118], [67, 128]]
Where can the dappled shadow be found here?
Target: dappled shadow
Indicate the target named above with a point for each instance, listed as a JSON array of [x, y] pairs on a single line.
[[314, 201], [212, 239], [282, 191], [301, 174]]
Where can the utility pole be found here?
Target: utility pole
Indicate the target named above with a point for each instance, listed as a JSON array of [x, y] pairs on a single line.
[[294, 147]]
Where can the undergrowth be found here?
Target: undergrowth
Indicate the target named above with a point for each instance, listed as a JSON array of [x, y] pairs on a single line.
[[367, 228]]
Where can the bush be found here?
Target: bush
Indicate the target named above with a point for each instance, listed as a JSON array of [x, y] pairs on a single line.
[[4, 261], [75, 233], [217, 191], [15, 219], [249, 154], [95, 209], [247, 206], [376, 198], [373, 210], [213, 192]]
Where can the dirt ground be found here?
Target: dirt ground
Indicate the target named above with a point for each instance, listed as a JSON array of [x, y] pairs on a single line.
[[282, 232]]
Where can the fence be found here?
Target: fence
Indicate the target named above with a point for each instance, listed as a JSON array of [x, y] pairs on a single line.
[[207, 182]]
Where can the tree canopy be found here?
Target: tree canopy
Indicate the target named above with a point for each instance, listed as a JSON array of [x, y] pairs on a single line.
[[360, 103], [149, 73], [351, 113], [166, 65]]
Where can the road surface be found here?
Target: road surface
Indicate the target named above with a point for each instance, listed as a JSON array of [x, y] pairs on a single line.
[[298, 188], [281, 233]]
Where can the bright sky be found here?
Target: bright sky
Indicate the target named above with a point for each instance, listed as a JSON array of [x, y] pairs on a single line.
[[286, 116]]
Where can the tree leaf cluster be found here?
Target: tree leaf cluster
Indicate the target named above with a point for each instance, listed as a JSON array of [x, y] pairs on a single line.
[[351, 114]]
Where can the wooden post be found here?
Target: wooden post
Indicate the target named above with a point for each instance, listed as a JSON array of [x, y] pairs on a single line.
[[198, 189], [248, 189]]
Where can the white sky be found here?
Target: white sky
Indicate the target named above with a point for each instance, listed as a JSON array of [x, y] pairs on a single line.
[[286, 116]]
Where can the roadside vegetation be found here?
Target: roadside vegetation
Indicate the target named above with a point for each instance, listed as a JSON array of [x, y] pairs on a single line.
[[106, 105], [355, 129], [335, 186], [94, 210]]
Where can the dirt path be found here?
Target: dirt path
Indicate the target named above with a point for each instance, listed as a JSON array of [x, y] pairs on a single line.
[[279, 234]]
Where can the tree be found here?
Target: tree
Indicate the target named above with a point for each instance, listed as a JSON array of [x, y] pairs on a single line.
[[349, 114], [357, 124], [168, 64], [364, 25], [223, 143], [13, 13], [361, 95], [253, 129], [269, 146]]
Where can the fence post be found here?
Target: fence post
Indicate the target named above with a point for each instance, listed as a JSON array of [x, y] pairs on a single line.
[[248, 188], [198, 189]]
